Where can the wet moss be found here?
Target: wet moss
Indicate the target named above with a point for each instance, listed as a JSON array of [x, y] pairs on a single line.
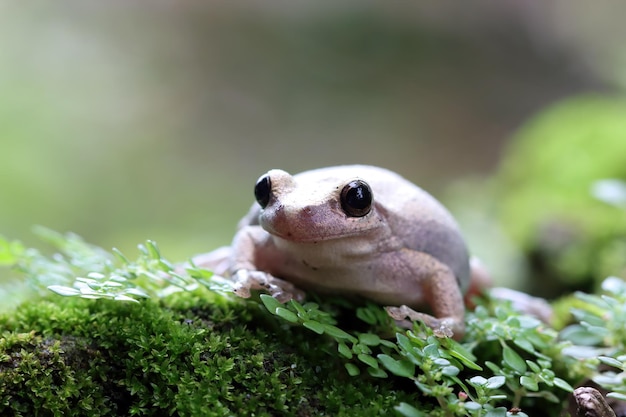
[[189, 354]]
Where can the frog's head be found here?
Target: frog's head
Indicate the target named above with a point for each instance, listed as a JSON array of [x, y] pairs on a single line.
[[320, 205]]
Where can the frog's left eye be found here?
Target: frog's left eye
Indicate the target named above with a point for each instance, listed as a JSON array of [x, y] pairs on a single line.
[[263, 190], [356, 198]]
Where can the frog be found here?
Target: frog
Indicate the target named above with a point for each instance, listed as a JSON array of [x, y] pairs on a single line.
[[355, 230]]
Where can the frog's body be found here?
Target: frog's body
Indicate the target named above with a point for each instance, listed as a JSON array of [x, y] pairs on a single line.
[[357, 230]]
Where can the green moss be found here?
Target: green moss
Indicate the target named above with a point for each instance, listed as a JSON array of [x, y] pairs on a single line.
[[545, 193], [187, 355]]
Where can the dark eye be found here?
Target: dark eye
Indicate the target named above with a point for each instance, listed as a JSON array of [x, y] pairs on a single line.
[[356, 198], [263, 190]]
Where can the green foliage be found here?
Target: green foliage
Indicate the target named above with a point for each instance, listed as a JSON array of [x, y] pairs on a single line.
[[203, 353], [600, 334], [520, 374], [83, 270], [549, 188]]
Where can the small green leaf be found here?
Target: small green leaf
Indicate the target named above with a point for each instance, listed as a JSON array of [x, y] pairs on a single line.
[[607, 360], [404, 342], [493, 367], [478, 381], [137, 292], [450, 370], [432, 351], [270, 303], [472, 406], [153, 249], [352, 369], [361, 348], [617, 396], [337, 333], [64, 291], [497, 412], [513, 360], [409, 411], [369, 339], [368, 360], [344, 350], [529, 383], [302, 313], [466, 357], [401, 368], [441, 362], [286, 314], [116, 278], [563, 384], [314, 325], [388, 343], [377, 372], [122, 297], [142, 248], [533, 366], [120, 256], [524, 344], [608, 379], [495, 382], [367, 315]]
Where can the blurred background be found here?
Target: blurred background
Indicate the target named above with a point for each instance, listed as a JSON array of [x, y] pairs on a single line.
[[130, 120]]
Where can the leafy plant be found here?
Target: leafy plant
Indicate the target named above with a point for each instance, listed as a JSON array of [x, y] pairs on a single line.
[[83, 270], [443, 369], [507, 364], [600, 334]]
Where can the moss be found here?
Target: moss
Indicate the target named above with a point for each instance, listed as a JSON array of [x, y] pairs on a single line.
[[572, 239], [189, 354]]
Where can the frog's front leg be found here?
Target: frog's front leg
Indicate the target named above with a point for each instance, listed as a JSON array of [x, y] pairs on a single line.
[[441, 292], [253, 258]]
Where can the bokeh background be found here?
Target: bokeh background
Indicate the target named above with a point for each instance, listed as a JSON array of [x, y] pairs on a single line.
[[130, 120]]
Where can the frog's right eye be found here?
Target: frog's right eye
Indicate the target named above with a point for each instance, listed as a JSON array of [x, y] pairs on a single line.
[[356, 198], [263, 190]]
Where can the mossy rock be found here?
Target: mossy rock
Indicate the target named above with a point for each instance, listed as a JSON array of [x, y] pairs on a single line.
[[191, 354], [572, 239]]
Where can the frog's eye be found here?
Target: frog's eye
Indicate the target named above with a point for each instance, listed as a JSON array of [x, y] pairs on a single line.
[[356, 198], [263, 190]]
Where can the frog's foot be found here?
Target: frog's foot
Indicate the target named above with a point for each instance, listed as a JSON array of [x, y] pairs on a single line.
[[247, 280], [443, 327], [524, 303]]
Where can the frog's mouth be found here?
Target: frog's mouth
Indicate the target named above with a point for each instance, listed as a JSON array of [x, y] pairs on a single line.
[[309, 227]]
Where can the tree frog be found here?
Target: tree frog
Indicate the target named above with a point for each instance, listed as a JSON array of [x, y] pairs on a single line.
[[353, 229]]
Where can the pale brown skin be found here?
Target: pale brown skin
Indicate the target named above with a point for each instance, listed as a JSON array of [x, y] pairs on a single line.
[[406, 251]]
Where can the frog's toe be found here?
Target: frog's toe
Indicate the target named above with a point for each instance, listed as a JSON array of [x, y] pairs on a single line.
[[442, 327], [284, 291], [246, 280]]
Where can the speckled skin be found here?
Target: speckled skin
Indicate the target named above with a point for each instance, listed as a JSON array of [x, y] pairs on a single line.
[[406, 251]]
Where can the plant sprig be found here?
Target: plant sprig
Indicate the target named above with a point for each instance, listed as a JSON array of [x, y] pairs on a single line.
[[79, 269], [442, 369], [600, 335]]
